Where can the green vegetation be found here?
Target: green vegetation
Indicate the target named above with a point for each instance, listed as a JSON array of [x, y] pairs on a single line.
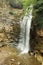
[[38, 14], [26, 3], [13, 13]]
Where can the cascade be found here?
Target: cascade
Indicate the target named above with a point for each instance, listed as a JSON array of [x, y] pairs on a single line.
[[25, 26]]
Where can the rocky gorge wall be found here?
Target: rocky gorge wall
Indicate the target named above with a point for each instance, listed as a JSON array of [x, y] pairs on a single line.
[[9, 24], [37, 28]]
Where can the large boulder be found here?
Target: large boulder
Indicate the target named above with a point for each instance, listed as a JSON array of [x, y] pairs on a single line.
[[15, 4]]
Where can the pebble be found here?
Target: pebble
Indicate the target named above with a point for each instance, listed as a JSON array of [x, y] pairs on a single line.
[[18, 63], [12, 60]]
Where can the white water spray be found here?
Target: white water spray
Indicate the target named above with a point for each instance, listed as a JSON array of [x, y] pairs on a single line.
[[25, 24]]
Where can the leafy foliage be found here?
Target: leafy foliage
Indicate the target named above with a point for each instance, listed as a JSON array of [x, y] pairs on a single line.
[[38, 14], [26, 3]]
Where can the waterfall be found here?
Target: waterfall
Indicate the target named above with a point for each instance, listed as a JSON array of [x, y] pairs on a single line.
[[25, 25]]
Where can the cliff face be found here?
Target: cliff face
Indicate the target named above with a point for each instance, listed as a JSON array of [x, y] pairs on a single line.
[[37, 27], [9, 23]]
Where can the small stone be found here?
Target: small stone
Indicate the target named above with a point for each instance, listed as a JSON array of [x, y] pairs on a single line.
[[12, 60], [18, 63]]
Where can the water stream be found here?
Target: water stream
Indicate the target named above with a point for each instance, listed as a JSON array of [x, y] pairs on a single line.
[[25, 25]]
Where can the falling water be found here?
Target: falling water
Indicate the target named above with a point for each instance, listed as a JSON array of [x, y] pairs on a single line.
[[25, 32]]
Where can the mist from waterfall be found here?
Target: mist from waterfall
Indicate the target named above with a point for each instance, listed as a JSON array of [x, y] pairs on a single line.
[[25, 26]]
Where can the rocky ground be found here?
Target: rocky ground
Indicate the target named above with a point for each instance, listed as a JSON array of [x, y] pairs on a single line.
[[10, 56]]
